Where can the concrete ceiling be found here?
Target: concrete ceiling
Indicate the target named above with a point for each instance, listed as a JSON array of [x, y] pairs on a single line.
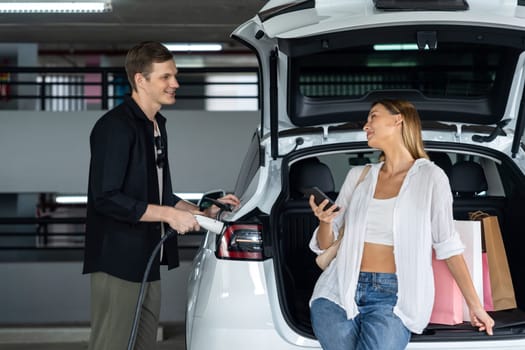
[[129, 22]]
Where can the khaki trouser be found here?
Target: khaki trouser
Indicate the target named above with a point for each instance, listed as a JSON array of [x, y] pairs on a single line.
[[113, 304]]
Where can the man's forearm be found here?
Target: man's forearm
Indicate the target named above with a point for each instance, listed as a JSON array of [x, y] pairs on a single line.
[[185, 205], [156, 213]]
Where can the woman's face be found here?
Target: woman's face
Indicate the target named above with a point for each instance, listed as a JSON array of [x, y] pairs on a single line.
[[382, 126]]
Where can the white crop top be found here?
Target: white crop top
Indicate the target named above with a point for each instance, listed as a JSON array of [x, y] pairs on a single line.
[[379, 223]]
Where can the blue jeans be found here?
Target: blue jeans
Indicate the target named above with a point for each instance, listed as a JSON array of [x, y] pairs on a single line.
[[375, 327]]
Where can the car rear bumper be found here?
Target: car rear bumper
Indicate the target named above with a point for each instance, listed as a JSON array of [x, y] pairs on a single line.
[[237, 308]]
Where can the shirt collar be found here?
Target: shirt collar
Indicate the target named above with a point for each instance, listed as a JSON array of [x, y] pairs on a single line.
[[137, 111], [420, 162]]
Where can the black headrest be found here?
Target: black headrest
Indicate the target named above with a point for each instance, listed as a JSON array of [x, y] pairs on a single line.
[[467, 178], [442, 160], [309, 173]]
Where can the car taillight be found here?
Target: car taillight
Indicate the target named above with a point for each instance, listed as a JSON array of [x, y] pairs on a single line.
[[241, 241]]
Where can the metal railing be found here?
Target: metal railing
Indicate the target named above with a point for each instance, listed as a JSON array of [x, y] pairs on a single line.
[[59, 239], [81, 88]]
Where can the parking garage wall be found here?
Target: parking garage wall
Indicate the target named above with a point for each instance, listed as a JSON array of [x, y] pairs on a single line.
[[49, 152]]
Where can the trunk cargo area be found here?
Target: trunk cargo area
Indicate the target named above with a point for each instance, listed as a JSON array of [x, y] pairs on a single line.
[[297, 272]]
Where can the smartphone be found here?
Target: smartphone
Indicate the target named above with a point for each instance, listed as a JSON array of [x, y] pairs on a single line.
[[319, 196]]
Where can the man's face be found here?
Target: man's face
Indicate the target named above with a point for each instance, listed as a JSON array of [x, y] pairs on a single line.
[[161, 83]]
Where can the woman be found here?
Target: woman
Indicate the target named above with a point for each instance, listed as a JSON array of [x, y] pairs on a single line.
[[380, 287]]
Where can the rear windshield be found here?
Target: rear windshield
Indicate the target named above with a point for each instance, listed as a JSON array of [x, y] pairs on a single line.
[[452, 71], [464, 82]]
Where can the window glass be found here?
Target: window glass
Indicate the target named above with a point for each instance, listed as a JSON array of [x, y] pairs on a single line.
[[249, 167], [340, 163], [452, 70]]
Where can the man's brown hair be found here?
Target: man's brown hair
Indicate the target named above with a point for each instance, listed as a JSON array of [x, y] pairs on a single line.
[[141, 57]]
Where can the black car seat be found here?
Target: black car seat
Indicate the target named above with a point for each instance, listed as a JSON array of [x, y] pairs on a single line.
[[442, 160], [309, 173], [296, 225], [469, 186], [467, 179]]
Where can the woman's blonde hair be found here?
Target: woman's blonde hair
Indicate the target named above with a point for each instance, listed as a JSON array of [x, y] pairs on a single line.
[[411, 126]]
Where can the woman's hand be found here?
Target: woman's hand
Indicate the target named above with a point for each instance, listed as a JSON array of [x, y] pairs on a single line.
[[324, 214], [325, 237], [480, 319], [478, 316]]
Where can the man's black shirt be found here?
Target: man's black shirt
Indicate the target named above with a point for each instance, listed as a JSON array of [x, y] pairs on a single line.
[[122, 182]]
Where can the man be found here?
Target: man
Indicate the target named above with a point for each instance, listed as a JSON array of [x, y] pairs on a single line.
[[131, 203]]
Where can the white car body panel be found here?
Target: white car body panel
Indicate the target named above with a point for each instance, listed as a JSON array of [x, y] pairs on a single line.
[[222, 286], [235, 304], [231, 284], [333, 16]]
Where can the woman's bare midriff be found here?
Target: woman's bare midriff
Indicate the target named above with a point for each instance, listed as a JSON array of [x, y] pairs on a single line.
[[378, 258]]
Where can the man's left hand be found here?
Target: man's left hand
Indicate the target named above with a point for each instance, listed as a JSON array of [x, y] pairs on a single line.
[[229, 199]]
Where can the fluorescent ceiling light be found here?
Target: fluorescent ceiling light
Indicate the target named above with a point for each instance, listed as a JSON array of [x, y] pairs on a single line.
[[194, 47], [71, 199], [189, 196], [55, 6], [395, 47]]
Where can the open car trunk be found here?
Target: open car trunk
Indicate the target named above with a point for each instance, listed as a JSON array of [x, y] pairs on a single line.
[[293, 224]]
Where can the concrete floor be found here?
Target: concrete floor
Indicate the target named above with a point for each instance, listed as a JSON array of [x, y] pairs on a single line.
[[164, 345], [172, 339]]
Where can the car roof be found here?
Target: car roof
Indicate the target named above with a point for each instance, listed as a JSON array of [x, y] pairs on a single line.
[[296, 19]]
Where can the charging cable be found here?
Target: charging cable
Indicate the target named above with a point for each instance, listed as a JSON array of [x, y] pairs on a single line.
[[170, 233], [133, 335]]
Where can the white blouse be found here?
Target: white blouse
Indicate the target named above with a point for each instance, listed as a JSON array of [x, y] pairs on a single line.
[[422, 220]]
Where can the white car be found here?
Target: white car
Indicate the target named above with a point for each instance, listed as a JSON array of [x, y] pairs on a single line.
[[322, 64]]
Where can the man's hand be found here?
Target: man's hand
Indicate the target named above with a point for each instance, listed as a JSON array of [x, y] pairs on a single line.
[[182, 221], [179, 219], [229, 199]]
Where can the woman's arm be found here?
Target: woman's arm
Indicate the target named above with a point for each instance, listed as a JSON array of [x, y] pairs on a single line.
[[478, 316], [325, 235], [328, 215], [325, 214]]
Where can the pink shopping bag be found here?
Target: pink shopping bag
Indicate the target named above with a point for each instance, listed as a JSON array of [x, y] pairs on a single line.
[[448, 300]]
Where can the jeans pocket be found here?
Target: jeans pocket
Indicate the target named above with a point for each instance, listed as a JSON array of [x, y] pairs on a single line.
[[389, 288]]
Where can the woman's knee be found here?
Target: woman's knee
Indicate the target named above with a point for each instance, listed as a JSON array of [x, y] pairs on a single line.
[[383, 331], [330, 325]]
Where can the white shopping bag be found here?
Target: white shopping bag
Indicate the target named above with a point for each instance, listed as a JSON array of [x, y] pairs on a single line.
[[470, 234]]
